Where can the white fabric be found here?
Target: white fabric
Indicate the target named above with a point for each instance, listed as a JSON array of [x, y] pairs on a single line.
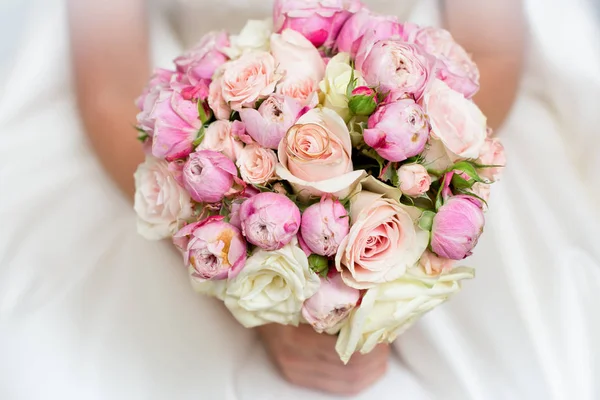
[[89, 310]]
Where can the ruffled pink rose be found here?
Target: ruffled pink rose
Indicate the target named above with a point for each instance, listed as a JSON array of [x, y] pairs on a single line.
[[380, 27], [216, 101], [214, 249], [268, 125], [396, 67], [397, 130], [296, 57], [492, 153], [224, 136], [202, 61], [176, 125], [457, 227], [315, 155], [434, 265], [331, 305], [257, 164], [414, 179], [455, 120], [324, 225], [158, 81], [318, 20], [383, 242], [269, 220], [305, 91], [190, 91], [250, 78], [208, 176], [455, 66]]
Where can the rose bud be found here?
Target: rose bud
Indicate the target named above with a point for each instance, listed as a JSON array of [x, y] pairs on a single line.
[[414, 179], [492, 153], [457, 227], [397, 130], [208, 176], [202, 61], [434, 265], [324, 225], [257, 164], [213, 248], [363, 101], [319, 21], [352, 33], [269, 220], [270, 122], [331, 305]]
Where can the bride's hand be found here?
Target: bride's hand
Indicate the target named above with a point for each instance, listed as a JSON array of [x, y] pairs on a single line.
[[308, 359]]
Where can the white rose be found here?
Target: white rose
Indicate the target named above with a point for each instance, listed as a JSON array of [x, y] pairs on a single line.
[[272, 287], [389, 309], [161, 203], [335, 84], [255, 35]]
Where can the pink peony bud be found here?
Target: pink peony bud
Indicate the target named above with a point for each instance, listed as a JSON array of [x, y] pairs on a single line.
[[269, 220], [457, 227], [331, 305], [202, 61], [208, 176], [380, 27], [213, 248], [414, 179], [270, 122], [398, 130], [324, 225]]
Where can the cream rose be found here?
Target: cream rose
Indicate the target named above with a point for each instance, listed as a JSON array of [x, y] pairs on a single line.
[[335, 84], [315, 155], [382, 244], [161, 204], [455, 120], [272, 287], [254, 36], [389, 309], [210, 288], [257, 164]]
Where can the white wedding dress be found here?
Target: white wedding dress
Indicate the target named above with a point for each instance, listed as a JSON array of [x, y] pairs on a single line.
[[90, 310]]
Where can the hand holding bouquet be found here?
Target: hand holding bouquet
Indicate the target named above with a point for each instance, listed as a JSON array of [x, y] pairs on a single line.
[[327, 167]]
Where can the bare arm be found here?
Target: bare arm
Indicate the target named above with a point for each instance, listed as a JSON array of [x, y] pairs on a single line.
[[494, 32], [110, 53]]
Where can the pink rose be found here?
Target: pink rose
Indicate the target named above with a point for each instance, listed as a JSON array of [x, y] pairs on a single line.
[[457, 227], [216, 101], [324, 225], [208, 176], [380, 27], [203, 60], [315, 155], [305, 91], [455, 67], [395, 67], [434, 265], [297, 57], [492, 153], [158, 81], [269, 220], [318, 20], [331, 305], [455, 120], [190, 91], [397, 130], [250, 78], [176, 125], [214, 249], [383, 242], [270, 122], [414, 179], [223, 136], [257, 164]]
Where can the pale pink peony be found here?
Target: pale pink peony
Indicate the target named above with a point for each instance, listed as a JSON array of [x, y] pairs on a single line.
[[492, 153], [376, 27], [269, 220], [457, 227], [324, 225], [208, 176], [224, 136], [214, 249], [296, 57], [250, 78], [257, 164], [318, 20], [397, 130], [205, 58], [434, 265], [331, 305], [268, 125], [414, 179]]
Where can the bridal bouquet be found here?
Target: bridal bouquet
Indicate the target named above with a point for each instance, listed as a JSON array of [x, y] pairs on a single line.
[[327, 167]]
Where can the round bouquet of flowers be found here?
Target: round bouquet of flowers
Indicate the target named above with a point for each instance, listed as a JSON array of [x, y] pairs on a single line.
[[326, 167]]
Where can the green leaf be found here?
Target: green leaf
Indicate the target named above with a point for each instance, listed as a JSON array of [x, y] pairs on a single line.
[[362, 105], [395, 179], [200, 137], [351, 85], [468, 168], [202, 114], [426, 220], [458, 182], [371, 153], [142, 134], [319, 264]]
